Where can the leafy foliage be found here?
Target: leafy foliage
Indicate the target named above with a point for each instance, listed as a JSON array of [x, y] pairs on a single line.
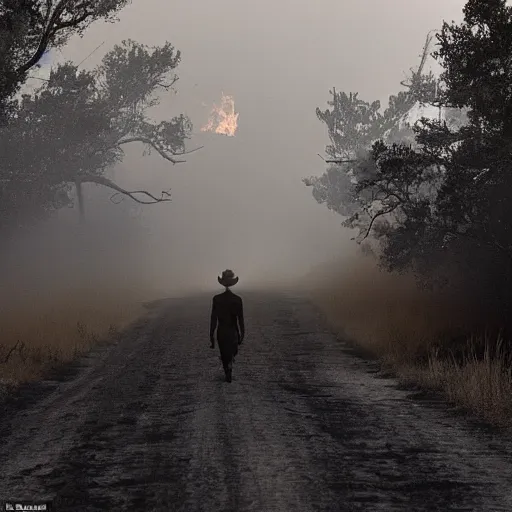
[[440, 204], [353, 126], [28, 28], [74, 128]]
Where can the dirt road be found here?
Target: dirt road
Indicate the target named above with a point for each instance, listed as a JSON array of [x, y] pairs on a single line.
[[149, 425]]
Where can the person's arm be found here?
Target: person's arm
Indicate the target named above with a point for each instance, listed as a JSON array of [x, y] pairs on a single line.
[[241, 321], [213, 323]]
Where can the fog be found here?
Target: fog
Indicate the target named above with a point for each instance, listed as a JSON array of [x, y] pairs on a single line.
[[239, 202]]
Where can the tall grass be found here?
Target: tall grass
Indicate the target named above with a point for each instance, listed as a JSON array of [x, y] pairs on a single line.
[[482, 383], [38, 333], [417, 334]]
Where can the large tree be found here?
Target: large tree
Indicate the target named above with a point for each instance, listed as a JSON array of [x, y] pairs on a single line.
[[28, 28], [443, 205], [353, 126], [76, 126]]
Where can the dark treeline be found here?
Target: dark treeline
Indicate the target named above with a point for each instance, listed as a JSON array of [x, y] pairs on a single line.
[[434, 197]]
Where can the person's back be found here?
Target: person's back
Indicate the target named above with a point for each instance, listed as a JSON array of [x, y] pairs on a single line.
[[228, 319], [228, 307]]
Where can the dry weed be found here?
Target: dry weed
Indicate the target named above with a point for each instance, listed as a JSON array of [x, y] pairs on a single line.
[[39, 334], [483, 384], [392, 318]]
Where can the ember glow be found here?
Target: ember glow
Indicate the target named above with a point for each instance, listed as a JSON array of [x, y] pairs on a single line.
[[223, 119]]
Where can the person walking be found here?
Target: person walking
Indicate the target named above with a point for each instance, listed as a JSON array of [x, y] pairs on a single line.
[[227, 317]]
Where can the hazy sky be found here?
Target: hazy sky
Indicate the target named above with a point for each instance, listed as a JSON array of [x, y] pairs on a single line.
[[240, 202]]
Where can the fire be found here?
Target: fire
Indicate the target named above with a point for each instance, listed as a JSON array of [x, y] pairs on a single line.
[[223, 119]]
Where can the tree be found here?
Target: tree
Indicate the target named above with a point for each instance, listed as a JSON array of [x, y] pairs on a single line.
[[28, 28], [442, 206], [470, 214], [74, 128], [474, 202], [353, 126]]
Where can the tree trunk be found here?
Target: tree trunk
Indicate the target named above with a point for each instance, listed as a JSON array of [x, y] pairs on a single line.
[[80, 197]]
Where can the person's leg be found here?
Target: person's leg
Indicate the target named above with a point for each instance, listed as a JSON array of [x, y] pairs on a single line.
[[228, 368], [226, 346], [222, 351], [225, 358], [234, 351]]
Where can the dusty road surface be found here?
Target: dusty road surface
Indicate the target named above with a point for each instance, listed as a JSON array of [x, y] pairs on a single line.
[[149, 424]]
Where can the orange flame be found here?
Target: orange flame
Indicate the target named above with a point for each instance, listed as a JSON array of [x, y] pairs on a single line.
[[223, 119]]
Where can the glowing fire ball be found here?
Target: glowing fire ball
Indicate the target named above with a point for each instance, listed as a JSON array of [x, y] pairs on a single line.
[[223, 119]]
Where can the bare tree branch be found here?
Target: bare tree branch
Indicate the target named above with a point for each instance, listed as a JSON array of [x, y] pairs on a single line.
[[48, 33], [189, 151], [49, 4], [100, 180], [376, 216], [168, 86], [423, 61], [71, 23], [151, 143], [335, 161], [390, 194]]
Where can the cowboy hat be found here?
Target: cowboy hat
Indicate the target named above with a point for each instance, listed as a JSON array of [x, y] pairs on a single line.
[[228, 278]]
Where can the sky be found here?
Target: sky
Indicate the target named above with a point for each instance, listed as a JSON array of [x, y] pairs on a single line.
[[239, 202]]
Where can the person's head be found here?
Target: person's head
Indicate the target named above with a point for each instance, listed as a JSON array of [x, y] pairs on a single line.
[[227, 278]]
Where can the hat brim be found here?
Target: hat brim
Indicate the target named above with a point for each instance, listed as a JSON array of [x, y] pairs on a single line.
[[227, 282]]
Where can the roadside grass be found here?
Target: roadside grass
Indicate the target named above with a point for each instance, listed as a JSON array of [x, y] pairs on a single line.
[[38, 333], [482, 383], [422, 337]]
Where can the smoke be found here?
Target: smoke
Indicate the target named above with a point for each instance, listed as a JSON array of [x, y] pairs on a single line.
[[389, 314], [239, 202]]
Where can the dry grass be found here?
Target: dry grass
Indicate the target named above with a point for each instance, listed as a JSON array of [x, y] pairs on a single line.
[[40, 332], [480, 383], [404, 326]]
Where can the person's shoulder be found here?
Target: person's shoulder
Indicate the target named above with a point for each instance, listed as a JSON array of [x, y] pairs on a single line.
[[237, 297], [223, 296]]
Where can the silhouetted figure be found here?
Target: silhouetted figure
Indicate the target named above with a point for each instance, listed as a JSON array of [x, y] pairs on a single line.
[[228, 318]]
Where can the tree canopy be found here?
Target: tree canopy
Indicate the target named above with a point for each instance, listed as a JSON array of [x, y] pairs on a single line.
[[76, 125], [74, 128], [440, 203], [28, 28]]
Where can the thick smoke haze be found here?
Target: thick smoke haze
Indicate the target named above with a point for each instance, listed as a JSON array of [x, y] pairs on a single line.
[[239, 202]]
